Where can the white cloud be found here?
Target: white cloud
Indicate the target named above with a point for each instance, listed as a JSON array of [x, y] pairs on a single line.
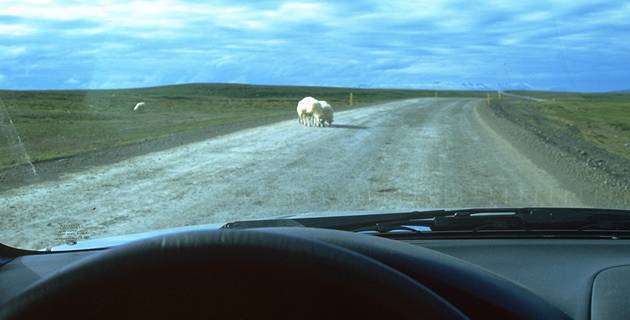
[[16, 29], [534, 16], [82, 32], [72, 81], [11, 52], [426, 9], [103, 48], [618, 16], [151, 19], [222, 61], [274, 41], [434, 67], [298, 11], [125, 81], [510, 41]]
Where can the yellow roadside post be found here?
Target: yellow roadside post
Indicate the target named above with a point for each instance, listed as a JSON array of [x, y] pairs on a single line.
[[488, 99], [350, 99]]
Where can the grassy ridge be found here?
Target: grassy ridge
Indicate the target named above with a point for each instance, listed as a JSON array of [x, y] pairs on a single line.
[[602, 119], [55, 124]]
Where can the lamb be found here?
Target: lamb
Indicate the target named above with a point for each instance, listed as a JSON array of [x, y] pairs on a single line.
[[328, 113], [138, 105], [317, 114]]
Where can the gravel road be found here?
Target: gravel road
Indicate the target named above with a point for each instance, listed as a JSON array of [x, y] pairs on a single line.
[[419, 153]]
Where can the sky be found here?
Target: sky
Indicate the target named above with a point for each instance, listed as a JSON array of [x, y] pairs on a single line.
[[567, 45]]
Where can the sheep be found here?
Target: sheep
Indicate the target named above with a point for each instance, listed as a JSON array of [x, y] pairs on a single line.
[[138, 105], [328, 113], [312, 112], [303, 104], [317, 114], [309, 111]]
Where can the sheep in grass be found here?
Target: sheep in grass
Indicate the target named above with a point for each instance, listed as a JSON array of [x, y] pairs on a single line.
[[138, 105]]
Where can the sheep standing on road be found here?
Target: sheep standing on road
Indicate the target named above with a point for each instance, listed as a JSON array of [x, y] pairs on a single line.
[[306, 109], [317, 114], [301, 109], [312, 112], [328, 113]]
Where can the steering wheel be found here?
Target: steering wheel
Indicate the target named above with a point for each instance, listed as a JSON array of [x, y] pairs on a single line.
[[230, 274]]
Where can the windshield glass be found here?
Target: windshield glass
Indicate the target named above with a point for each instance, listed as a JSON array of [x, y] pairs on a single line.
[[121, 117]]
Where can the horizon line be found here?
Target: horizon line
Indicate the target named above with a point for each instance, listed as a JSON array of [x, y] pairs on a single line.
[[313, 86]]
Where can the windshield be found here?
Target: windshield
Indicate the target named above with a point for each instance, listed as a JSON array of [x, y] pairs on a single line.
[[123, 117]]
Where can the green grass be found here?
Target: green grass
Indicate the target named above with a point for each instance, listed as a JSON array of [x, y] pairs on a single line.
[[55, 124], [600, 118]]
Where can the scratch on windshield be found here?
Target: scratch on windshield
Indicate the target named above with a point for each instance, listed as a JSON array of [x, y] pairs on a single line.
[[14, 145]]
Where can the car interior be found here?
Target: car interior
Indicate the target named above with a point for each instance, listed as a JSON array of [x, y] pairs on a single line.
[[298, 272]]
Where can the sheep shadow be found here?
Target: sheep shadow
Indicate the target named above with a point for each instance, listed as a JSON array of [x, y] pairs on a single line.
[[347, 126]]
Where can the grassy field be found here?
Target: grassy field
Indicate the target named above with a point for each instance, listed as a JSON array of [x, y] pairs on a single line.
[[602, 119], [55, 124]]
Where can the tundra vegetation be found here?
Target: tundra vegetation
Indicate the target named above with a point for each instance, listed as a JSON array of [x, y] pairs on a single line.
[[601, 119]]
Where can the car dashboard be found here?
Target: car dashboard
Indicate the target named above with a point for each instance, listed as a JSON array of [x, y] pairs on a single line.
[[582, 278]]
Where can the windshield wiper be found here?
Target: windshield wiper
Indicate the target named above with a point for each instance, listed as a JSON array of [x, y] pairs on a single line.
[[510, 219], [464, 221], [337, 222]]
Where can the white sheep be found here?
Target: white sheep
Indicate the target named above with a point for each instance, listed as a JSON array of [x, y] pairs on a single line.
[[328, 113], [301, 109], [317, 114], [138, 105], [312, 112], [309, 111]]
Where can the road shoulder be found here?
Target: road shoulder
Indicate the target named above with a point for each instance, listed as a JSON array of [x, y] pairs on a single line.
[[601, 179]]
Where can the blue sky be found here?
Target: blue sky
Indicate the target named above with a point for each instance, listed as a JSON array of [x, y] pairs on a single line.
[[548, 45]]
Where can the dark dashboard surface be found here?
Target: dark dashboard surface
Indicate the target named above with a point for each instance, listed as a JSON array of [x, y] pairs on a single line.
[[560, 271], [563, 272]]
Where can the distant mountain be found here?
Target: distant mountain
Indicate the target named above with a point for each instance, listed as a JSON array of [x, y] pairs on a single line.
[[516, 86], [453, 85], [476, 86], [558, 89]]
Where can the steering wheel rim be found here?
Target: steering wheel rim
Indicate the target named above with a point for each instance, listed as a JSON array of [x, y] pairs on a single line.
[[229, 273], [478, 292]]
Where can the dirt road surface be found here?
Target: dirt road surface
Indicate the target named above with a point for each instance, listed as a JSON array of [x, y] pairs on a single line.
[[419, 153]]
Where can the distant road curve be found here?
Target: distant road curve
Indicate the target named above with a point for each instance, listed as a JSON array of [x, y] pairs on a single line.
[[522, 97], [422, 153]]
